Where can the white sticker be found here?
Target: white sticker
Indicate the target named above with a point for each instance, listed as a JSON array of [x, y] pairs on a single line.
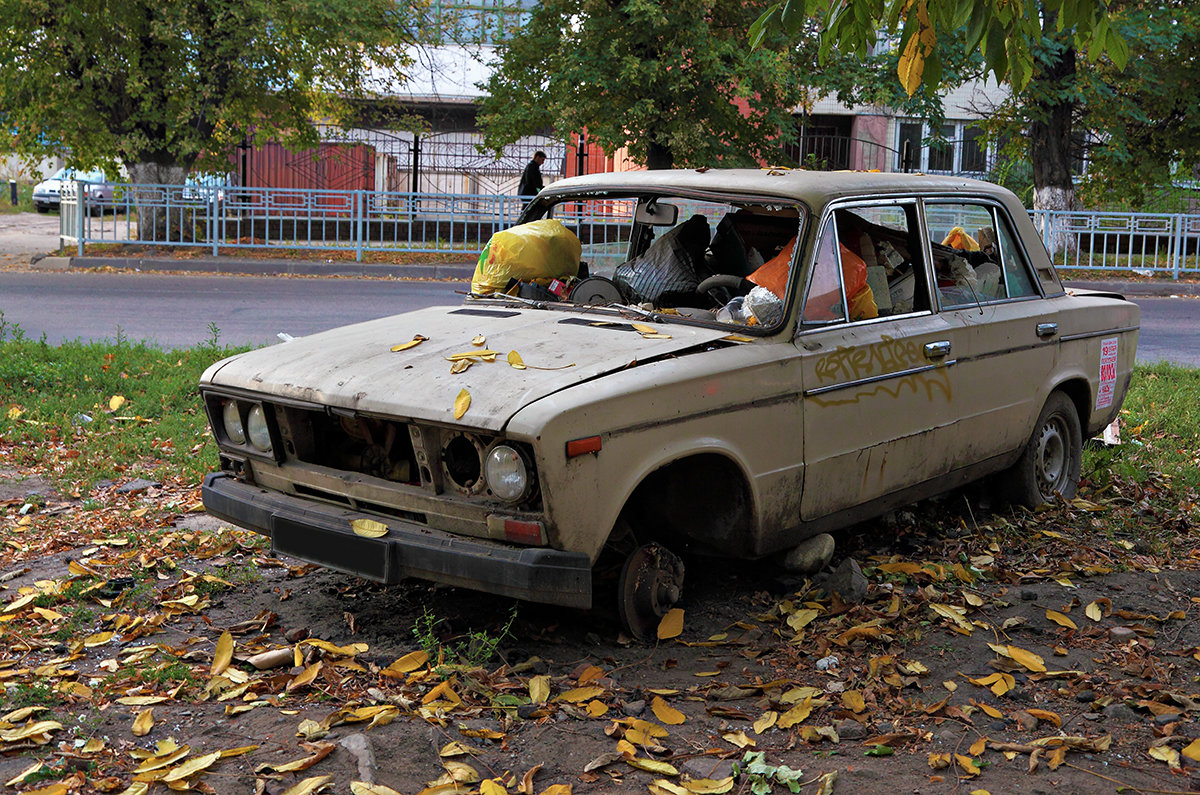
[[1108, 373]]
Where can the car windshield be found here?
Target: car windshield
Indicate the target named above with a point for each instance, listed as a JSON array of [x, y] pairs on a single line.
[[722, 260]]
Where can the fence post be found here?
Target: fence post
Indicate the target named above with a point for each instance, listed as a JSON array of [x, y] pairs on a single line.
[[1180, 245], [78, 215], [213, 221], [358, 225]]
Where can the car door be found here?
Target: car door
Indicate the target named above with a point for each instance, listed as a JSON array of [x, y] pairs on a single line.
[[880, 389], [986, 290]]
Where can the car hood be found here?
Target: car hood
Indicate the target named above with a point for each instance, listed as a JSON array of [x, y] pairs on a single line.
[[354, 367], [48, 185]]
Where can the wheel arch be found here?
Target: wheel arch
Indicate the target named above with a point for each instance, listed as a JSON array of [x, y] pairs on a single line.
[[1079, 393]]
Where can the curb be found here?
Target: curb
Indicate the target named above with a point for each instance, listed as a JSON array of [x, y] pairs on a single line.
[[256, 267], [1136, 288]]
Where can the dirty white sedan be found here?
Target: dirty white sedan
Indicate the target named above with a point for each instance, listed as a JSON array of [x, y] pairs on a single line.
[[726, 362]]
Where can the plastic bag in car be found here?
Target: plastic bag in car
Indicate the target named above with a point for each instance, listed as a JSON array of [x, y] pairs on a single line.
[[534, 252], [669, 265]]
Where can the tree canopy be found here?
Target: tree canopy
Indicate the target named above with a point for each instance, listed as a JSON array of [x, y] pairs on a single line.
[[675, 82], [1005, 33], [157, 85]]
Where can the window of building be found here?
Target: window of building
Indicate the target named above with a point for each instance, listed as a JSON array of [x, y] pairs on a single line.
[[957, 148]]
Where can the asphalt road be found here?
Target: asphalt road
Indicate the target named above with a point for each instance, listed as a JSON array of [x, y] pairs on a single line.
[[175, 311]]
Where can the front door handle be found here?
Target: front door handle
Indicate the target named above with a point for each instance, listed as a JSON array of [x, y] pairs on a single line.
[[1047, 330], [937, 350]]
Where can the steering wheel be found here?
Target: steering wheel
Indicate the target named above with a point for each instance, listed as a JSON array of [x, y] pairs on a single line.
[[724, 287]]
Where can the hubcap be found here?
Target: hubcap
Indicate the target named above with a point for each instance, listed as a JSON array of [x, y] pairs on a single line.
[[1052, 457]]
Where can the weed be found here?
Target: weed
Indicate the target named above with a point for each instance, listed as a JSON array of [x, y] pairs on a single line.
[[79, 619], [472, 650], [227, 577], [24, 695]]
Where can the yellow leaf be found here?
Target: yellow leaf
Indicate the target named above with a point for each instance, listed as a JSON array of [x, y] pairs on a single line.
[[20, 777], [1192, 750], [911, 65], [739, 739], [1057, 757], [461, 404], [709, 786], [99, 639], [539, 689], [115, 402], [666, 713], [956, 614], [481, 354], [29, 730], [311, 730], [414, 342], [580, 694], [1060, 619], [143, 722], [557, 789], [766, 721], [1093, 611], [978, 747], [643, 328], [461, 366], [368, 528], [245, 749], [454, 748], [192, 767], [597, 709], [973, 599], [969, 765], [998, 683], [988, 709], [479, 340], [853, 700], [652, 766], [1046, 715], [363, 788], [15, 413], [671, 625], [490, 787], [515, 360], [1165, 753], [406, 664], [305, 677], [795, 715], [308, 786], [939, 761], [223, 655], [802, 618], [1028, 659]]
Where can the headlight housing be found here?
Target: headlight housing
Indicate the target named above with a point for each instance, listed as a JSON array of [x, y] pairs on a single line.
[[507, 473], [257, 430], [231, 416]]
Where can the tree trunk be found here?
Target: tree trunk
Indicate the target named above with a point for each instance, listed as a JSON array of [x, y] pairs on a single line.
[[160, 218], [1051, 143], [659, 156]]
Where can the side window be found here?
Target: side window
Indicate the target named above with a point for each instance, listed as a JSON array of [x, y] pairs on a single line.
[[877, 255], [1016, 271], [974, 255]]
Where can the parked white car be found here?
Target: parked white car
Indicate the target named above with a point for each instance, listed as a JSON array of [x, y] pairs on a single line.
[[47, 195]]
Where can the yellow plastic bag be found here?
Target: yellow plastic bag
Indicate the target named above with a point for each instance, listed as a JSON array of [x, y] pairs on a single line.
[[959, 239], [537, 251]]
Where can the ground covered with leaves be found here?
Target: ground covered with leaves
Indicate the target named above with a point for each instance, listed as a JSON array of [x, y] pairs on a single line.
[[145, 647]]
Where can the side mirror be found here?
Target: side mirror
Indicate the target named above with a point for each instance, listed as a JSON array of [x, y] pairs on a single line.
[[653, 213]]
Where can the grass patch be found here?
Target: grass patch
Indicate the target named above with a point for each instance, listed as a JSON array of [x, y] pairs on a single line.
[[24, 198], [58, 408], [26, 695]]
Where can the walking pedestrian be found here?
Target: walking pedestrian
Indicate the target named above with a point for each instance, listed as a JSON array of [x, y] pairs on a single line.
[[531, 177]]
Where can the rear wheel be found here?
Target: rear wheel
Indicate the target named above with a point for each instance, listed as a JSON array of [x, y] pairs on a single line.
[[650, 585], [1050, 463]]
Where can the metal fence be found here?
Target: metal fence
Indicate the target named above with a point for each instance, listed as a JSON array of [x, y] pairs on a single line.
[[220, 218]]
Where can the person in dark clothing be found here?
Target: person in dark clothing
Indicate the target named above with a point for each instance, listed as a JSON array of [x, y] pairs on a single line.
[[531, 177]]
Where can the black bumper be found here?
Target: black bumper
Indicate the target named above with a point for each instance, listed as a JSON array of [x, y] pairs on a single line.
[[321, 534]]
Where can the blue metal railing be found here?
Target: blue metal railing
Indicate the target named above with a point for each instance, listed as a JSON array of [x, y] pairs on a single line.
[[226, 217]]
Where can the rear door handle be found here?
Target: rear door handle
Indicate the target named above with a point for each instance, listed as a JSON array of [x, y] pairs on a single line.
[[937, 350], [1047, 330]]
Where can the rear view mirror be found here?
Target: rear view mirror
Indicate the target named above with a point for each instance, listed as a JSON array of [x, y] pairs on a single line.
[[654, 213]]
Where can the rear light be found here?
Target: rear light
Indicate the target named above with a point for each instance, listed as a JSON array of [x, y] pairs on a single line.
[[518, 531], [590, 444]]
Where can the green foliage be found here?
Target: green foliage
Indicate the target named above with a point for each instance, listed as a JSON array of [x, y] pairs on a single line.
[[676, 83], [62, 395], [754, 771], [25, 695], [165, 83], [471, 650], [24, 199], [1005, 34]]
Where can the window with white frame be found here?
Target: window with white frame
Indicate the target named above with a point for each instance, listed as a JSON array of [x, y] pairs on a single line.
[[954, 148]]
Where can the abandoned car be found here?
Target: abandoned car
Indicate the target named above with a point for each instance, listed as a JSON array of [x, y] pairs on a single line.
[[713, 361]]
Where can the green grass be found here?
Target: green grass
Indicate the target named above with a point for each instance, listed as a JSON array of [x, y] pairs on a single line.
[[24, 198], [50, 392]]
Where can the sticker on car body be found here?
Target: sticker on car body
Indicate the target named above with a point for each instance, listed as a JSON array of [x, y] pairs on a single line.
[[1108, 373]]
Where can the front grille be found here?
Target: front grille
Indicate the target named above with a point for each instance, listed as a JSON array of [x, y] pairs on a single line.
[[360, 505], [375, 447]]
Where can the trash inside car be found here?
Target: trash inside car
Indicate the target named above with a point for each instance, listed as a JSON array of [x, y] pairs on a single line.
[[733, 362]]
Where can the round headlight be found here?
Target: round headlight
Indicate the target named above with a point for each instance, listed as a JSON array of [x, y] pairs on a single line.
[[233, 422], [507, 475], [256, 428]]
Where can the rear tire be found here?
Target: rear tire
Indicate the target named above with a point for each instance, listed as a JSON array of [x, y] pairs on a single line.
[[1050, 463], [42, 208]]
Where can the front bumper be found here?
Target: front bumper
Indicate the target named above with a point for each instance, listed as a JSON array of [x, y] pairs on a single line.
[[321, 534]]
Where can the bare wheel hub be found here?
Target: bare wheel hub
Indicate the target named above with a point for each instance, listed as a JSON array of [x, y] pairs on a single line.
[[651, 583]]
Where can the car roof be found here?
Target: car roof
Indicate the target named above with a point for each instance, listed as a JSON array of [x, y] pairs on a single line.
[[815, 188]]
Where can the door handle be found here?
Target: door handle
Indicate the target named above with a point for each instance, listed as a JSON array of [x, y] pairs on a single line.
[[937, 350], [1047, 330]]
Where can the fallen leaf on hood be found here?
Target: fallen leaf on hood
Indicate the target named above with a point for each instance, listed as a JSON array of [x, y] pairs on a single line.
[[483, 353], [479, 340], [461, 404], [414, 342], [143, 722], [461, 366], [368, 528], [516, 361]]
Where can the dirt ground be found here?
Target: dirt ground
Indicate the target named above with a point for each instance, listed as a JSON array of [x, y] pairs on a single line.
[[565, 695]]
